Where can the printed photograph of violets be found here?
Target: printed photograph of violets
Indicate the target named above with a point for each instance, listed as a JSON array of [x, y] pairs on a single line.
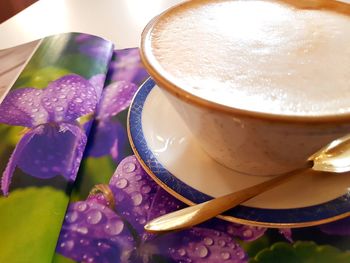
[[113, 198], [44, 126]]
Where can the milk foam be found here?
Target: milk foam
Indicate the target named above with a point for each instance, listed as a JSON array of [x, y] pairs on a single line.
[[265, 56]]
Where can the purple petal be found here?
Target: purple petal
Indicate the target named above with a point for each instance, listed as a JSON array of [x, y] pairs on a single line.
[[340, 227], [109, 138], [53, 150], [133, 191], [116, 97], [92, 232], [128, 66], [97, 48], [69, 98], [98, 82], [162, 204], [243, 232], [81, 37], [13, 161], [77, 150], [201, 245], [23, 107], [287, 233]]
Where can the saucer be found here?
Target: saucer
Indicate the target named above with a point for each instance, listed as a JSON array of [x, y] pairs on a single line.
[[172, 157]]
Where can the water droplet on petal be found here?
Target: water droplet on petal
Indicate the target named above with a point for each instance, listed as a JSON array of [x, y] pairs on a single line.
[[82, 230], [142, 220], [72, 216], [202, 251], [225, 255], [94, 217], [221, 243], [240, 254], [114, 227], [136, 198], [62, 96], [122, 183], [70, 244], [137, 177], [208, 241], [146, 189], [129, 167], [54, 99], [78, 100], [217, 233], [232, 245], [84, 242], [181, 252], [59, 108], [248, 233]]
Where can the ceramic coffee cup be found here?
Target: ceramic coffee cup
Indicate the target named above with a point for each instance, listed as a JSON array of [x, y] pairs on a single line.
[[261, 84]]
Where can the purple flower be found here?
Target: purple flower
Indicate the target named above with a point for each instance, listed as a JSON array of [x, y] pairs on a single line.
[[54, 142], [109, 135], [127, 66], [95, 47], [130, 200]]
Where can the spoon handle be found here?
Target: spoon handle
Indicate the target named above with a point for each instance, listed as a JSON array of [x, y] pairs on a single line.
[[193, 215]]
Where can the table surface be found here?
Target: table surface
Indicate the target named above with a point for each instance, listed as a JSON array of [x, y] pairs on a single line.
[[120, 21]]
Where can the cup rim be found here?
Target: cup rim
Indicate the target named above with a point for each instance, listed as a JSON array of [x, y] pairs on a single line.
[[164, 81]]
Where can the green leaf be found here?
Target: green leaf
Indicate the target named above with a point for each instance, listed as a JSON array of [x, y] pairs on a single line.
[[81, 65], [92, 171], [10, 135], [40, 78], [301, 252], [30, 223], [58, 258], [253, 247]]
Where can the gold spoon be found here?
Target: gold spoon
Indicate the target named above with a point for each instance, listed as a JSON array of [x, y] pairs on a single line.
[[334, 157]]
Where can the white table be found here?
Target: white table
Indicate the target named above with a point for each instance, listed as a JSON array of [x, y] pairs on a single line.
[[120, 21]]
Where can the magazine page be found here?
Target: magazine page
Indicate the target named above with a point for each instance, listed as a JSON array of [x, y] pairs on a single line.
[[45, 118], [114, 197]]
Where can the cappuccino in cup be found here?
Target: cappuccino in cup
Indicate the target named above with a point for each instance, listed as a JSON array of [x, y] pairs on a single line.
[[262, 84]]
